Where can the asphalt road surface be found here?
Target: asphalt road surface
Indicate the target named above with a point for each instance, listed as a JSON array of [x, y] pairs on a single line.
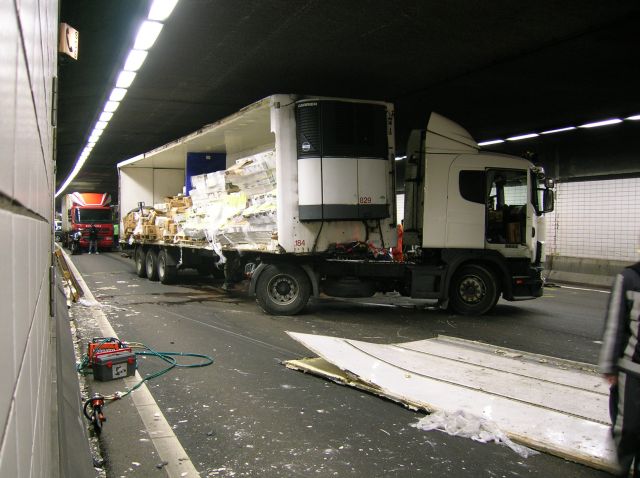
[[248, 415]]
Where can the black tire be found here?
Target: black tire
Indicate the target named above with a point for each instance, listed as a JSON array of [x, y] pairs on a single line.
[[151, 263], [140, 259], [474, 291], [283, 290], [167, 274]]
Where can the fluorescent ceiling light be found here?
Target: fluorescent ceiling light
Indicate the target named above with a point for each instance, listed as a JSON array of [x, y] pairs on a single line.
[[400, 158], [601, 123], [523, 136], [100, 125], [161, 9], [125, 78], [111, 106], [634, 117], [97, 132], [559, 130], [117, 94], [493, 141], [147, 35], [105, 116], [135, 60]]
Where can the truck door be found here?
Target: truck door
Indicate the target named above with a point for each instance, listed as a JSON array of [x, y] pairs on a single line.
[[507, 200]]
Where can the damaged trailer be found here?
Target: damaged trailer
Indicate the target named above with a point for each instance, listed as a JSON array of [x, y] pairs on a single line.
[[299, 194]]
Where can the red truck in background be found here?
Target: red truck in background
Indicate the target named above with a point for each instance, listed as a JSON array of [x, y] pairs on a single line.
[[80, 211]]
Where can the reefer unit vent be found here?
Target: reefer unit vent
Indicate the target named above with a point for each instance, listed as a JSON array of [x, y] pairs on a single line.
[[343, 163]]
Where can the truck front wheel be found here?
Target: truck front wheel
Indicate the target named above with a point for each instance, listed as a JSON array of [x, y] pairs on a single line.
[[473, 291], [283, 290], [141, 268], [151, 263]]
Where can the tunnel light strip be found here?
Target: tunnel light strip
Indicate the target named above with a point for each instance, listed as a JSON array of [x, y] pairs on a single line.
[[601, 123], [523, 136], [145, 38], [491, 141], [594, 124]]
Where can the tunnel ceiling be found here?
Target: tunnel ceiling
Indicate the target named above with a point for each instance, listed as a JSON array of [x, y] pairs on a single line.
[[498, 67]]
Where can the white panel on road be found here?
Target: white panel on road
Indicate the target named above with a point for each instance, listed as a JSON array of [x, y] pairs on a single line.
[[548, 404]]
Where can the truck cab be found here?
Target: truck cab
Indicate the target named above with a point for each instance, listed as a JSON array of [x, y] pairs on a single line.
[[477, 214], [80, 211]]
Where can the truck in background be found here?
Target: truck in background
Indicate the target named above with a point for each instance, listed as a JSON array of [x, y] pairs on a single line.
[[473, 227], [80, 211]]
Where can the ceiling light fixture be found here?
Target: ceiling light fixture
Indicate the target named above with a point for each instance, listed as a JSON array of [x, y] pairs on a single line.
[[135, 60], [147, 35], [125, 78], [100, 125], [111, 106], [522, 136], [633, 118], [117, 94], [601, 123], [161, 9], [400, 158], [559, 130], [104, 116], [492, 141]]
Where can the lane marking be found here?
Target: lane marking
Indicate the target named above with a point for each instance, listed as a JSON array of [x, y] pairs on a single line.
[[584, 288], [160, 432], [236, 334]]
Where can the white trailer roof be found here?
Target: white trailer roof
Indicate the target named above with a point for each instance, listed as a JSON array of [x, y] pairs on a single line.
[[247, 129]]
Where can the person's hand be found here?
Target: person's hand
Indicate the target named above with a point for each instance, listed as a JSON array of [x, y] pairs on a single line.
[[611, 378]]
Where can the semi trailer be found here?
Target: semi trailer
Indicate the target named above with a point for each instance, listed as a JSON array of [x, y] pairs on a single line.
[[80, 211], [299, 194]]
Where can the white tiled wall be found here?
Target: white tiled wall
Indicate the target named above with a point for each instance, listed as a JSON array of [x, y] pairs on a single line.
[[28, 34], [596, 219]]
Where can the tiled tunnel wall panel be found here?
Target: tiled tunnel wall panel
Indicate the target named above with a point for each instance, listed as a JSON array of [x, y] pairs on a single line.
[[596, 219], [28, 35]]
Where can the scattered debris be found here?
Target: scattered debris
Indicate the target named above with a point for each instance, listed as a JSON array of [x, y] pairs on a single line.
[[464, 424]]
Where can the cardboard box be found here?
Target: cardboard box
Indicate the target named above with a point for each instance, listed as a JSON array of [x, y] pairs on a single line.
[[513, 233]]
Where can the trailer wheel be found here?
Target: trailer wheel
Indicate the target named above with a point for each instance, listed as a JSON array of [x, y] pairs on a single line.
[[167, 274], [151, 263], [283, 290], [474, 291], [141, 268]]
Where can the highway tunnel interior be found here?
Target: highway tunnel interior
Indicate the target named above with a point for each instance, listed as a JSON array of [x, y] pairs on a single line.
[[555, 82]]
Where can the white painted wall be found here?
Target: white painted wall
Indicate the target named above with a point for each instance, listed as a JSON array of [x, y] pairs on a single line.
[[596, 219], [28, 35]]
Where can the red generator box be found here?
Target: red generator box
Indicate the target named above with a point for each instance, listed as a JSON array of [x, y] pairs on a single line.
[[113, 364]]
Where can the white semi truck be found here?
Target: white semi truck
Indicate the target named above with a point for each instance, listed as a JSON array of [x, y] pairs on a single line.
[[473, 226]]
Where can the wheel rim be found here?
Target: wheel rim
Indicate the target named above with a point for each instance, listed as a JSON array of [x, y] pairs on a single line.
[[472, 289], [283, 289]]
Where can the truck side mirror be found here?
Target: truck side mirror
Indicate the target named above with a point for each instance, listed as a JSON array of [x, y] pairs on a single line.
[[548, 200]]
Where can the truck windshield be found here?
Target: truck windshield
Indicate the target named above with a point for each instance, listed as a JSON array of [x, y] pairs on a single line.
[[97, 216]]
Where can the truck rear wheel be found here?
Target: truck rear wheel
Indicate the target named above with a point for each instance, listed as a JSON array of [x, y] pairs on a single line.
[[141, 268], [167, 274], [283, 290], [151, 263], [473, 291]]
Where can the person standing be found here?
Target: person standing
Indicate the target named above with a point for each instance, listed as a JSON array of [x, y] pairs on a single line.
[[93, 239], [620, 365]]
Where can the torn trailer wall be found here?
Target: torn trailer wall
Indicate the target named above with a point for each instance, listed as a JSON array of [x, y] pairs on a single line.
[[552, 405]]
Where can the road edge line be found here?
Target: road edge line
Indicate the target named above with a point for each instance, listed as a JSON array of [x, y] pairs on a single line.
[[160, 432]]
